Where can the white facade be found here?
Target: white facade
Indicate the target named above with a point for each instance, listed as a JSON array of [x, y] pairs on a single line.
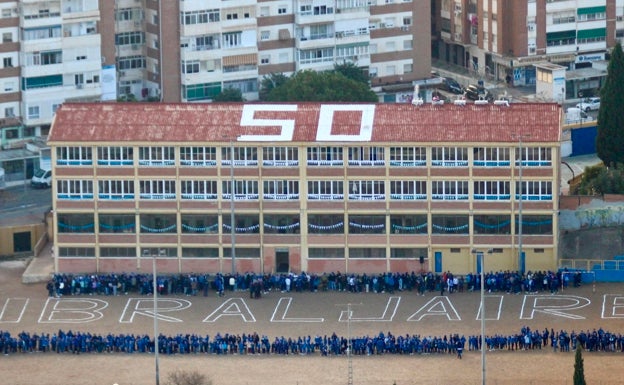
[[60, 56]]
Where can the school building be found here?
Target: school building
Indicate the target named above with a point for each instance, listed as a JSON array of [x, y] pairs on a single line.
[[305, 187]]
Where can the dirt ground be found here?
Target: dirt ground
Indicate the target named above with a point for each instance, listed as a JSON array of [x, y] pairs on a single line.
[[26, 307]]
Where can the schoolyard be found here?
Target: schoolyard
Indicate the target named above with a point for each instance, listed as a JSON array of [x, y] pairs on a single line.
[[28, 308]]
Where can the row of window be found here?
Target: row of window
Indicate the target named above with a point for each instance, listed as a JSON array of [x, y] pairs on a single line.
[[241, 252], [167, 189], [406, 224], [408, 156]]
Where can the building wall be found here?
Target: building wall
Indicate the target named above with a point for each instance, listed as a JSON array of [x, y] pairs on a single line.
[[456, 249]]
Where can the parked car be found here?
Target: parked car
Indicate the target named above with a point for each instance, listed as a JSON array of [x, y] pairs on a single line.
[[474, 92], [589, 104], [451, 85]]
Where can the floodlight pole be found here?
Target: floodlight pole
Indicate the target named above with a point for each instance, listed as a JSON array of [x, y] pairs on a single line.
[[232, 218], [154, 289]]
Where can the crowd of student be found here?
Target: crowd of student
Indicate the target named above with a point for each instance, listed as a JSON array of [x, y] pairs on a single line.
[[333, 345], [193, 284]]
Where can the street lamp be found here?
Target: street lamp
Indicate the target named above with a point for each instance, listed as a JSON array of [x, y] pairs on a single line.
[[481, 262], [519, 137], [147, 252], [232, 218]]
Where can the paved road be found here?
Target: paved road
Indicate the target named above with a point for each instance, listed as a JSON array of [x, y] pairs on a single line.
[[19, 202]]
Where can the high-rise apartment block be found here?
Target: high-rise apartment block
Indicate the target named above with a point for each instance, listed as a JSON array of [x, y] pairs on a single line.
[[503, 39]]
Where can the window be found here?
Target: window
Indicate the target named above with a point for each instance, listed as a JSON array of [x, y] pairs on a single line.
[[232, 39], [243, 189], [116, 189], [157, 189], [326, 252], [535, 157], [9, 112], [281, 223], [33, 112], [75, 223], [7, 37], [76, 252], [319, 55], [449, 156], [492, 224], [115, 156], [198, 156], [563, 17], [409, 224], [130, 38], [325, 156], [243, 156], [491, 190], [534, 190], [265, 35], [200, 223], [408, 68], [156, 156], [265, 59], [449, 190], [7, 62], [536, 225], [326, 223], [366, 156], [117, 223], [325, 190], [281, 10], [198, 189], [367, 252], [190, 67], [247, 252], [407, 252], [200, 252], [408, 189], [449, 224], [280, 156], [74, 156], [206, 42], [42, 33], [6, 12], [408, 156], [491, 157], [158, 223], [200, 17], [118, 252], [367, 224], [367, 190], [74, 189], [281, 189], [245, 223], [131, 62]]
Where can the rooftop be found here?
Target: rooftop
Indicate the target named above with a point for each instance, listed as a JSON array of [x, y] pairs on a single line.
[[138, 123]]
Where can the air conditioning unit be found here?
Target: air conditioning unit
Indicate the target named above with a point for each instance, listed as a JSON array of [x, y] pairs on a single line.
[[481, 102]]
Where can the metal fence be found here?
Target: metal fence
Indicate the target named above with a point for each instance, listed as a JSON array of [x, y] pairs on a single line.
[[590, 264]]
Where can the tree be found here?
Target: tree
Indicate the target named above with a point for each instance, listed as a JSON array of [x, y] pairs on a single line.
[[351, 71], [229, 95], [328, 86], [579, 371], [187, 378], [270, 82], [602, 180], [610, 138]]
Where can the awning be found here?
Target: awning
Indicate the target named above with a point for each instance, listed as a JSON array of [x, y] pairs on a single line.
[[585, 73], [590, 10], [250, 58], [591, 33], [563, 35]]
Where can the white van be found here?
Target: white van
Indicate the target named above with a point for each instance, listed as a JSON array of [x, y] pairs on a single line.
[[41, 179], [576, 115]]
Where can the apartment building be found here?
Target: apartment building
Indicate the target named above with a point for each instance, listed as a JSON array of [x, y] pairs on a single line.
[[50, 54], [305, 187], [210, 46], [503, 39]]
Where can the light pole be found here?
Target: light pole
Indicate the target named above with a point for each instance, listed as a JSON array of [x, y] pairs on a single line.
[[481, 262], [155, 297], [520, 195], [232, 218]]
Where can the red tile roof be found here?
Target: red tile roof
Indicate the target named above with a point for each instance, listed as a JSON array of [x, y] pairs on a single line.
[[220, 122]]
